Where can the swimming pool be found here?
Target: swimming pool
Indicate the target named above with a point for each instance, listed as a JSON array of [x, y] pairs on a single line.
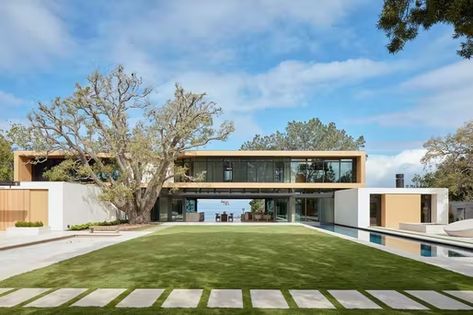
[[410, 246]]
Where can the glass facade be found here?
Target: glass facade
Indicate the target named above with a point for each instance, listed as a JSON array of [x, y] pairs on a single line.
[[266, 170]]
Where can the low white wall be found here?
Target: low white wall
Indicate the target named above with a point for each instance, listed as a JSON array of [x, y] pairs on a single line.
[[70, 204], [81, 204], [346, 207]]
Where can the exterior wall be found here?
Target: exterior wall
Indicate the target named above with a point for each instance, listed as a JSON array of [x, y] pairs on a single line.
[[346, 210], [22, 205], [356, 203], [70, 204], [399, 208]]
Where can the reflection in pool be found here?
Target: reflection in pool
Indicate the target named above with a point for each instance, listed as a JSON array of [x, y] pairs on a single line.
[[407, 245]]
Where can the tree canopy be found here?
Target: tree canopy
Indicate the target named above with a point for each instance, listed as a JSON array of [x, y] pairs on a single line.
[[306, 135], [118, 139], [6, 159], [449, 160], [401, 20]]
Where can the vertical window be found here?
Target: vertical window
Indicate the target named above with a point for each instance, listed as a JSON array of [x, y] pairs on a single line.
[[298, 171], [346, 171], [252, 171], [426, 208], [332, 171], [315, 171], [375, 209], [279, 171], [227, 171]]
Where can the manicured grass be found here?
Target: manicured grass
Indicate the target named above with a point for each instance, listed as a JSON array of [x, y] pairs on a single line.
[[246, 257]]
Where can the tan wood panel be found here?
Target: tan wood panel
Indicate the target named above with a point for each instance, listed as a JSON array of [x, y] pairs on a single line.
[[399, 208], [14, 199], [39, 206]]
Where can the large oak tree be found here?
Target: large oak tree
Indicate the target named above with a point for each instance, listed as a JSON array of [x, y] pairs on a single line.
[[117, 138], [401, 20]]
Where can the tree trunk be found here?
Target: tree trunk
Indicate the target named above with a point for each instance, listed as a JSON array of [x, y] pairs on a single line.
[[139, 217]]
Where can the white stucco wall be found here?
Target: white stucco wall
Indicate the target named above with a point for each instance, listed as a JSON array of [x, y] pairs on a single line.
[[346, 207], [351, 202], [70, 204]]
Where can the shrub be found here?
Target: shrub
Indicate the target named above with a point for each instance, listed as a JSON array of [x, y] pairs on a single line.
[[28, 224], [85, 226]]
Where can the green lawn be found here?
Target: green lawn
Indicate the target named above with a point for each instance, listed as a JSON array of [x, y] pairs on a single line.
[[280, 257]]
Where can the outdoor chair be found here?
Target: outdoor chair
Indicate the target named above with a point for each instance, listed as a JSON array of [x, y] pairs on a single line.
[[230, 217], [217, 217]]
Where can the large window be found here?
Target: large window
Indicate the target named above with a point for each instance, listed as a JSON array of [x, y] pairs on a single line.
[[279, 170], [426, 208]]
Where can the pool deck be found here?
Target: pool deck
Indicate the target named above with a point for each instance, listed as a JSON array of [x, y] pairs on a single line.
[[462, 265]]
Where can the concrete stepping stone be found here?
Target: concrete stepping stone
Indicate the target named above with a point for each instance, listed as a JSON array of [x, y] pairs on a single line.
[[439, 300], [3, 290], [20, 296], [141, 298], [396, 300], [99, 297], [310, 299], [185, 298], [225, 298], [268, 299], [463, 295], [57, 298], [353, 299]]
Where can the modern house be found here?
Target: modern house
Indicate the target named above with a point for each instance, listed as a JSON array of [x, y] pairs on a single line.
[[313, 187]]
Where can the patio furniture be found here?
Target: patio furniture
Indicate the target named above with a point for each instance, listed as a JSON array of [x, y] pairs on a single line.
[[230, 217], [195, 217], [217, 217], [266, 217], [224, 217], [463, 228], [258, 217]]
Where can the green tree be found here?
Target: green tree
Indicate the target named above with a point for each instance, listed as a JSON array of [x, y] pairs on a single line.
[[257, 205], [401, 20], [306, 135], [449, 160], [6, 159], [118, 139]]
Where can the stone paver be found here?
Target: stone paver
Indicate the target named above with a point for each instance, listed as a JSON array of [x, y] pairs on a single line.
[[464, 295], [268, 299], [20, 296], [438, 300], [57, 298], [396, 300], [353, 299], [99, 297], [3, 290], [226, 298], [185, 298], [310, 299], [141, 298]]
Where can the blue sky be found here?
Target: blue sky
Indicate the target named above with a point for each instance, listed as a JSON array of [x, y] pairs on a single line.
[[264, 62]]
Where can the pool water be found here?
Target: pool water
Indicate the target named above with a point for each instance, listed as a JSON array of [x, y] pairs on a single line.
[[407, 245]]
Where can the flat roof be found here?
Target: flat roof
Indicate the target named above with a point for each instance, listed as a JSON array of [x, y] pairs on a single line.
[[226, 153]]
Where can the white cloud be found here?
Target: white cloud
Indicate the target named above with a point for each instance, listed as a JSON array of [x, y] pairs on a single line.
[[31, 33], [445, 98], [381, 169], [10, 100], [289, 84]]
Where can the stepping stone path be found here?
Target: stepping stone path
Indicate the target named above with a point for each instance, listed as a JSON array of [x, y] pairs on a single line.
[[225, 298], [439, 300], [310, 299], [141, 298], [464, 295], [268, 299], [20, 296], [3, 290], [99, 297], [57, 298], [233, 298], [353, 299], [396, 300], [185, 298]]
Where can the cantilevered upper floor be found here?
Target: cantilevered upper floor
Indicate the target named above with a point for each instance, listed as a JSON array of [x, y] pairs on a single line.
[[242, 169]]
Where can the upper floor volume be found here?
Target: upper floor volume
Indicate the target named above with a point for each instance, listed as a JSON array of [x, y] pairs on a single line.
[[231, 169]]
